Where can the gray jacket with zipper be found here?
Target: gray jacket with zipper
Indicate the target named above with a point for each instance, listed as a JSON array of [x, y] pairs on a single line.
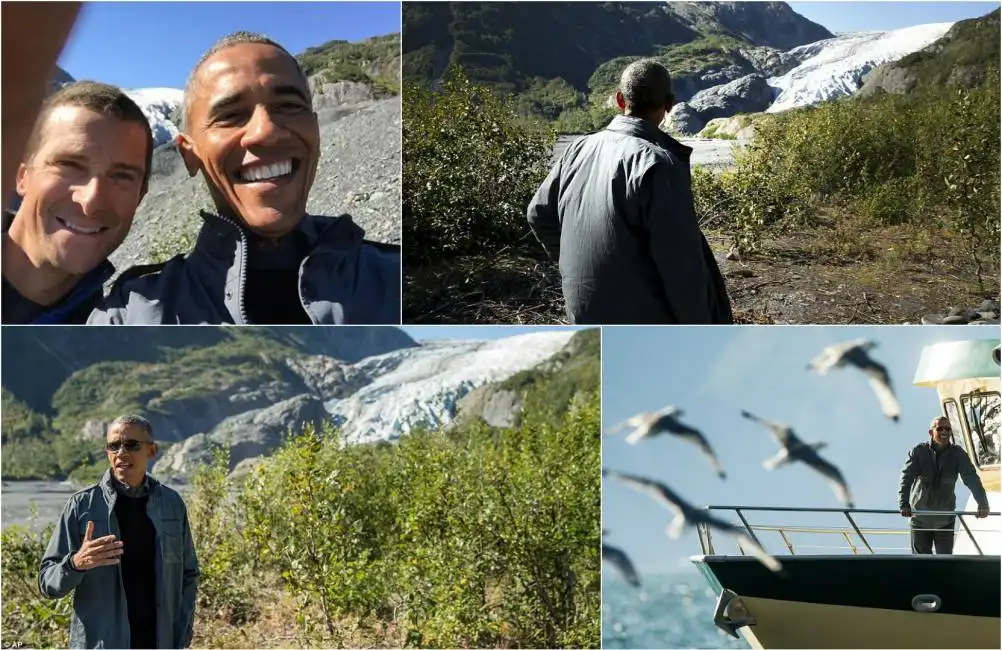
[[344, 279], [928, 482], [617, 212], [100, 615]]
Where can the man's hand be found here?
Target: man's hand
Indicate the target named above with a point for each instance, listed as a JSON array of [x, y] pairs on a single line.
[[982, 512], [906, 511], [103, 551]]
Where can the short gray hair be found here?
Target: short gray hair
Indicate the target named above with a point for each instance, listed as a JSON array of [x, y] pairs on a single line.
[[236, 38], [646, 85], [132, 420]]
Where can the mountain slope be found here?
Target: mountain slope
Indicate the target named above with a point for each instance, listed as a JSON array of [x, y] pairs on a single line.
[[773, 24], [510, 44], [961, 57], [61, 355]]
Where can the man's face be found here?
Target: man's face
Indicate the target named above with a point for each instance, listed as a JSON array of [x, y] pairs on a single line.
[[80, 189], [941, 432], [252, 130], [129, 450]]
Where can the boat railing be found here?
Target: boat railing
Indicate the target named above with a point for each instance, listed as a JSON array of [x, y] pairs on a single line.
[[852, 535]]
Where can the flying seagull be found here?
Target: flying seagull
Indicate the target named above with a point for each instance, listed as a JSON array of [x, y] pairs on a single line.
[[855, 353], [685, 514], [796, 449], [647, 425], [619, 559]]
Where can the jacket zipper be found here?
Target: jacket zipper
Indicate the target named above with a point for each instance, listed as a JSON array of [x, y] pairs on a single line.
[[243, 267]]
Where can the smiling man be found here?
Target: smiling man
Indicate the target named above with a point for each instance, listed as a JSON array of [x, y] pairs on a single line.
[[84, 173], [251, 130], [124, 547]]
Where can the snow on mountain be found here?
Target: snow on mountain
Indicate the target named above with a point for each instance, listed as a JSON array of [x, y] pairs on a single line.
[[422, 385], [837, 67], [157, 104]]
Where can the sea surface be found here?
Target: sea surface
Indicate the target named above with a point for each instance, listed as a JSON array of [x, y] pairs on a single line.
[[671, 610]]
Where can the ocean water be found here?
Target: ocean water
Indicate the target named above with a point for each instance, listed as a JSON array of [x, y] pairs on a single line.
[[667, 611]]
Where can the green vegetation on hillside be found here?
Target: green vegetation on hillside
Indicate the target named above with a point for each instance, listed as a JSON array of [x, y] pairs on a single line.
[[442, 540], [374, 61], [470, 166], [578, 369], [960, 58]]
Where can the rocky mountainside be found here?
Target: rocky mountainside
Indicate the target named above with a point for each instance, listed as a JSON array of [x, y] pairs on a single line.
[[512, 46], [245, 388], [61, 355], [773, 24], [960, 58]]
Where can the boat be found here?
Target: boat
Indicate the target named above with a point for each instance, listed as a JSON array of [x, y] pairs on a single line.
[[858, 592]]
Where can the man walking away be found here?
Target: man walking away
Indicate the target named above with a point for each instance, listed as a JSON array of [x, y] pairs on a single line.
[[617, 212]]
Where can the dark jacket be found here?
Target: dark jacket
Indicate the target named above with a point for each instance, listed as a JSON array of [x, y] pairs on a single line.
[[100, 617], [342, 280], [617, 211], [77, 305], [929, 482]]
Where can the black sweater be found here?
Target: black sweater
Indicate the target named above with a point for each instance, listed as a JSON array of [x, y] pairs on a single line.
[[139, 545]]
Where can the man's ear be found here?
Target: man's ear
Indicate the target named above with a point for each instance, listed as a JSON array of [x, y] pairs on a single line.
[[21, 180], [187, 150], [620, 101]]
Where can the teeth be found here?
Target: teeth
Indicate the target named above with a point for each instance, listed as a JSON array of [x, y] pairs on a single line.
[[266, 172], [80, 229]]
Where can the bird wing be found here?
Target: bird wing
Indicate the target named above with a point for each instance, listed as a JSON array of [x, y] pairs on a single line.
[[621, 561], [746, 541], [830, 472], [654, 489], [880, 382], [783, 434], [696, 437]]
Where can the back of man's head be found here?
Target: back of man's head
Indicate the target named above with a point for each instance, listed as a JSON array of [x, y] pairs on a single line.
[[646, 87], [94, 96]]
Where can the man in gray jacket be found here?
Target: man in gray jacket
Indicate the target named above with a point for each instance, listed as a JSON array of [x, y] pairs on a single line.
[[617, 212], [250, 129], [928, 482], [124, 547]]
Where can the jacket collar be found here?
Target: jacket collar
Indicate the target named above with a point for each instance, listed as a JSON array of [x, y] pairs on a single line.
[[645, 130], [221, 235], [108, 483]]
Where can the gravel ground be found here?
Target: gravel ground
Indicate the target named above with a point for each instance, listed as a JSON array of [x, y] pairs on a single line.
[[358, 174]]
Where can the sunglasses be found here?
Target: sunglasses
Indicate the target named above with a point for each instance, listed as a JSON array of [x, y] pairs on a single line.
[[946, 429], [128, 445]]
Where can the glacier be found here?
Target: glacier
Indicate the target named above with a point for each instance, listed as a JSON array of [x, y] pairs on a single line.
[[157, 104], [422, 386], [837, 67]]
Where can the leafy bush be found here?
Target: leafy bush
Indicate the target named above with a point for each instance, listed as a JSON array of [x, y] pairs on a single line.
[[29, 619], [470, 167]]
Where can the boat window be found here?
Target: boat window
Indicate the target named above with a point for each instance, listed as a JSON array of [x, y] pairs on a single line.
[[981, 411], [952, 412]]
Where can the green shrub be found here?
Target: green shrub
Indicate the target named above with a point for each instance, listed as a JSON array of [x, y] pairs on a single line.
[[29, 619], [893, 159], [470, 167]]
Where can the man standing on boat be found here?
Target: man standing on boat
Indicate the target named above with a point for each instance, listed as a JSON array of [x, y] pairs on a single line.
[[928, 482]]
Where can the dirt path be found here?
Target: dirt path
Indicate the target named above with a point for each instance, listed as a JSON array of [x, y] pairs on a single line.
[[713, 154]]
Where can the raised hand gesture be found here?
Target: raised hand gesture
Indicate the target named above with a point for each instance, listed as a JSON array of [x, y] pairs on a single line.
[[103, 551]]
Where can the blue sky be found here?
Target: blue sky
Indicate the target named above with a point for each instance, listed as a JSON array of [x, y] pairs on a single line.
[[714, 373], [477, 332], [155, 44], [864, 16]]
